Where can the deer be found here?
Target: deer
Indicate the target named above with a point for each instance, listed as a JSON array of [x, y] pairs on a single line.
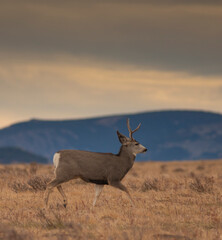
[[94, 167]]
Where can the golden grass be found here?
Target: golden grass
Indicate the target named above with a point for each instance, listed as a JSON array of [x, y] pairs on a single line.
[[175, 200]]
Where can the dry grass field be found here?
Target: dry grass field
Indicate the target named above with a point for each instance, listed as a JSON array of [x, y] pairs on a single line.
[[175, 200]]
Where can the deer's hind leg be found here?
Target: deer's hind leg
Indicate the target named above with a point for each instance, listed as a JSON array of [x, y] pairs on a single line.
[[63, 195], [55, 182]]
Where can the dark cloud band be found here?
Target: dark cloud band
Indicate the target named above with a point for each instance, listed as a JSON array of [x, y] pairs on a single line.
[[167, 35]]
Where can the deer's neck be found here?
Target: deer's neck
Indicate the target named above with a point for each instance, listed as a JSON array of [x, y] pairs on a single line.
[[125, 154], [126, 160]]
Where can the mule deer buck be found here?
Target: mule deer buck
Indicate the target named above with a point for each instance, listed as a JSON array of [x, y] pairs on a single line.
[[98, 168]]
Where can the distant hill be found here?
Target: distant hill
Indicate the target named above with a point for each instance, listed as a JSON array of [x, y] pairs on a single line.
[[17, 155], [168, 135]]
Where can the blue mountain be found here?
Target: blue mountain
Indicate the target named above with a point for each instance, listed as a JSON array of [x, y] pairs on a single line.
[[17, 155], [168, 135]]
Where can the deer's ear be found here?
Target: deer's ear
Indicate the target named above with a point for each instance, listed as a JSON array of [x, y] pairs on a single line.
[[123, 139]]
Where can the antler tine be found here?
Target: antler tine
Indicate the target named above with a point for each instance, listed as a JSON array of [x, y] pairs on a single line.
[[130, 130], [136, 128]]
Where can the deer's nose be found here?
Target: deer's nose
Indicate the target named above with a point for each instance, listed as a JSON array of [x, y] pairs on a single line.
[[145, 150]]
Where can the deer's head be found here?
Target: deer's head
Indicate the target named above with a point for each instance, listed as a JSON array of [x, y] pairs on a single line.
[[132, 145]]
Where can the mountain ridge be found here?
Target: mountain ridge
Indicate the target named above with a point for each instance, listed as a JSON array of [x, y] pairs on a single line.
[[17, 155], [168, 134]]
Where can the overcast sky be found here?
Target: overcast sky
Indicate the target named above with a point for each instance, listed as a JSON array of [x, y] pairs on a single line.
[[75, 59]]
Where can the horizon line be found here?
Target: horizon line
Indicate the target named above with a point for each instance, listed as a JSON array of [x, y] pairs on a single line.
[[110, 115]]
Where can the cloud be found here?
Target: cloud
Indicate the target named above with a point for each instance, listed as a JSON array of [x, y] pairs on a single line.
[[161, 35], [55, 89], [68, 59]]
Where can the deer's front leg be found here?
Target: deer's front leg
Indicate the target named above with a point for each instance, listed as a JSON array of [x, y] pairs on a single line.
[[120, 186], [98, 190]]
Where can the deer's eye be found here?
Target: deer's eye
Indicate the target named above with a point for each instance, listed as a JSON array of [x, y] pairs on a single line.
[[136, 144]]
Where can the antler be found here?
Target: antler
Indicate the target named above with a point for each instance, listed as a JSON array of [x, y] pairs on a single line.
[[130, 130]]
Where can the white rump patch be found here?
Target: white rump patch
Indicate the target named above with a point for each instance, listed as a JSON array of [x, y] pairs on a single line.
[[56, 159]]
